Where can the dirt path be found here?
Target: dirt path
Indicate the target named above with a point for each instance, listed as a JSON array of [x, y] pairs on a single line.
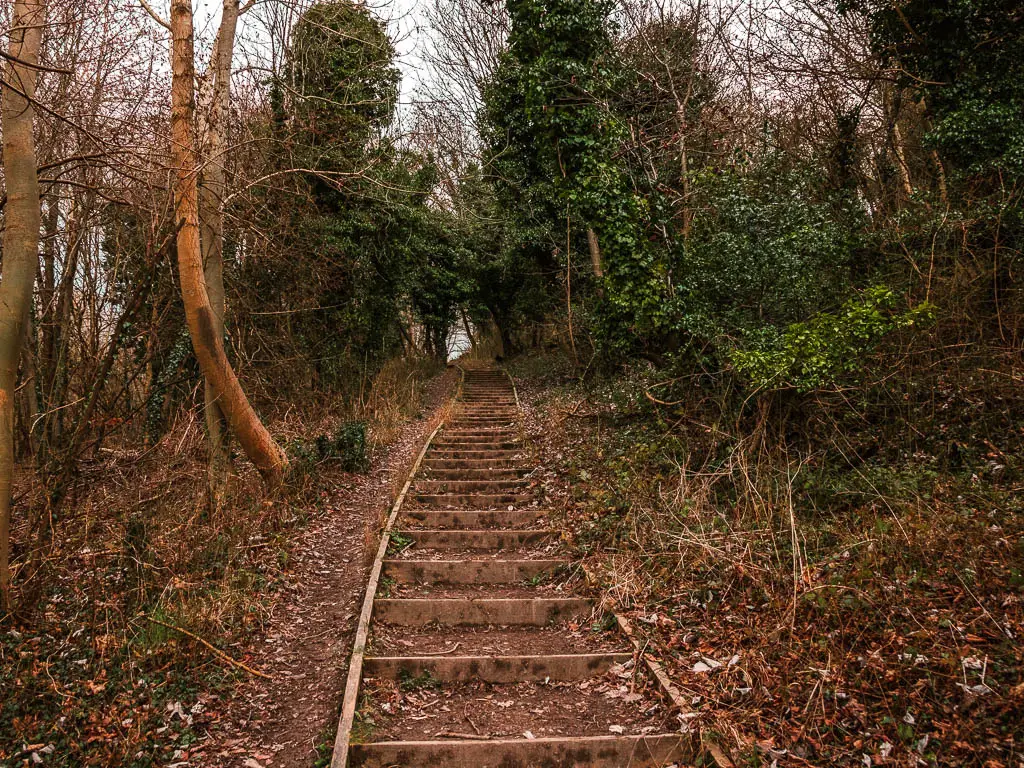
[[280, 723]]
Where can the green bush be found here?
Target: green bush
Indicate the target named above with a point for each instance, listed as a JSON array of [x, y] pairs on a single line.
[[768, 248], [347, 446], [810, 355]]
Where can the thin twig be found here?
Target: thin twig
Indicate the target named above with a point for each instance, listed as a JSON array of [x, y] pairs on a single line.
[[217, 651], [453, 649]]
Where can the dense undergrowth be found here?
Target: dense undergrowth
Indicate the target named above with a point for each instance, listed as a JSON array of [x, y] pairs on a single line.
[[833, 579], [111, 669]]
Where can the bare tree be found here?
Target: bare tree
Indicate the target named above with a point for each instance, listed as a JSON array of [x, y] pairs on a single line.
[[214, 110], [20, 240], [202, 321]]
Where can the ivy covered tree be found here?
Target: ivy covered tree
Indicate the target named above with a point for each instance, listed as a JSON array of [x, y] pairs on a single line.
[[553, 138], [342, 82]]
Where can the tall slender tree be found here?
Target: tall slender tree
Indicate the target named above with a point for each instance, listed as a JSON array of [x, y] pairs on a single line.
[[20, 241], [202, 322], [214, 112]]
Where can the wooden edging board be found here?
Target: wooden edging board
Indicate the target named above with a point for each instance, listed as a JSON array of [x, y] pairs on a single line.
[[721, 760], [515, 389], [339, 758]]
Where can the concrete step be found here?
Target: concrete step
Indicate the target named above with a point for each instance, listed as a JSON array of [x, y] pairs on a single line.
[[475, 473], [416, 612], [484, 416], [478, 436], [470, 453], [474, 519], [494, 669], [479, 540], [510, 464], [473, 500], [498, 430], [470, 571], [432, 486], [480, 443], [654, 751]]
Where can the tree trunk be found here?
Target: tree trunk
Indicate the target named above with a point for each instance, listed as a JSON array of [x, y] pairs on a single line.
[[214, 112], [892, 113], [29, 382], [595, 260], [257, 443], [20, 241], [465, 326]]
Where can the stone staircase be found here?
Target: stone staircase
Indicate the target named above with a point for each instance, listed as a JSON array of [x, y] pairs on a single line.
[[478, 656]]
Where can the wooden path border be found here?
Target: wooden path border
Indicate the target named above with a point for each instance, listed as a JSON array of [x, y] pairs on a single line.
[[673, 694]]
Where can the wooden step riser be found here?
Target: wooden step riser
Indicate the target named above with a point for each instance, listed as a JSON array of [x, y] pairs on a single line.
[[474, 519], [494, 669], [539, 612], [480, 541], [580, 752], [470, 571]]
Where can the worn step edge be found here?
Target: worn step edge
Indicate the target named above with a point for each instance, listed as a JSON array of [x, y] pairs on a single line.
[[501, 484], [472, 500], [469, 571], [537, 612], [456, 465], [476, 473], [652, 751], [495, 669], [482, 453]]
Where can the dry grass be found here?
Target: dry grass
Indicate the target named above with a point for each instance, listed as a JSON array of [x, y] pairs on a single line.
[[395, 395]]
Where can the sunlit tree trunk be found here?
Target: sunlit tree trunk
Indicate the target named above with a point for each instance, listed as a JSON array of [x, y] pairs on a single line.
[[214, 112], [20, 240], [208, 344]]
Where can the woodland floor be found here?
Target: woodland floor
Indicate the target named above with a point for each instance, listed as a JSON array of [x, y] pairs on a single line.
[[902, 646], [94, 678], [896, 643]]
